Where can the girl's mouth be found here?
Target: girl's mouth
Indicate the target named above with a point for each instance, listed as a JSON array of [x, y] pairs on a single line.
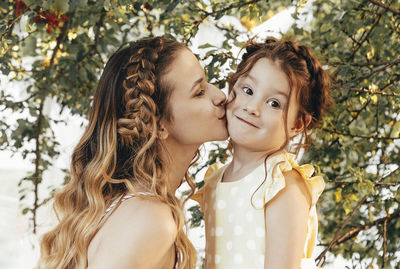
[[249, 123]]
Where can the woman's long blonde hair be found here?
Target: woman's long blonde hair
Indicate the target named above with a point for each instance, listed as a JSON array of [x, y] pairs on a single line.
[[120, 149]]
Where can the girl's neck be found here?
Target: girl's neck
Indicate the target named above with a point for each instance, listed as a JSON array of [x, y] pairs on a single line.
[[243, 162]]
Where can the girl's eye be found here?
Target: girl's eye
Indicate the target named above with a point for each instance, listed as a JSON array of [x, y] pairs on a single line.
[[200, 93], [247, 90], [274, 103]]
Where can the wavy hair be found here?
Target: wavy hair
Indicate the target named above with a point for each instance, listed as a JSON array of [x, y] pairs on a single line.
[[119, 149], [307, 79]]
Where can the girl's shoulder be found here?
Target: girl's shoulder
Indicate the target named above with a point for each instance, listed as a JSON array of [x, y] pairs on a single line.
[[213, 174], [283, 169]]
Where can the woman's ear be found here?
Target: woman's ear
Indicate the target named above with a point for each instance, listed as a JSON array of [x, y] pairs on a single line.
[[162, 131]]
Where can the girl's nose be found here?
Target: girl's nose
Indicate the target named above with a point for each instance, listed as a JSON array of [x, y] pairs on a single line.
[[251, 108], [218, 96]]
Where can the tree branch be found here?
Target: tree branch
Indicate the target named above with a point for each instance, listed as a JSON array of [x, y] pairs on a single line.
[[232, 6], [379, 69], [373, 182], [360, 136], [11, 24], [60, 39], [206, 14], [380, 4], [355, 231], [359, 64], [36, 180], [94, 47], [99, 24], [321, 258], [384, 243], [393, 94], [364, 38]]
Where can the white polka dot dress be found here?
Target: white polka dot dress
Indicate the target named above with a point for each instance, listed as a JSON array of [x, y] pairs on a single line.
[[234, 213]]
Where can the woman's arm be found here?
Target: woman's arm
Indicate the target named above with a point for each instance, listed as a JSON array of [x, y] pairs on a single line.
[[286, 224], [139, 234]]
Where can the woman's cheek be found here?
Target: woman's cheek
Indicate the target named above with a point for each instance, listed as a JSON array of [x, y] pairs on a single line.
[[231, 96]]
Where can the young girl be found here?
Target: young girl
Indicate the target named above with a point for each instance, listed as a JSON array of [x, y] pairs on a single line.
[[149, 116], [259, 210]]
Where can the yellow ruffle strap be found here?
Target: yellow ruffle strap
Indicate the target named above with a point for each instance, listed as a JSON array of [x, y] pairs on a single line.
[[284, 162], [199, 195]]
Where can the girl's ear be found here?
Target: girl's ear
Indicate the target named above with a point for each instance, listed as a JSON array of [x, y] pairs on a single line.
[[300, 125], [308, 119]]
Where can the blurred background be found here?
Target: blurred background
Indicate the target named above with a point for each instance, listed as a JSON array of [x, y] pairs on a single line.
[[52, 53]]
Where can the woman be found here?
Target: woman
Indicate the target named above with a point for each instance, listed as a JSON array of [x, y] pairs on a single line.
[[151, 111]]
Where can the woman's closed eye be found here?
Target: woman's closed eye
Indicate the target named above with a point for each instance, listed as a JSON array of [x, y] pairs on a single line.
[[274, 103], [200, 93]]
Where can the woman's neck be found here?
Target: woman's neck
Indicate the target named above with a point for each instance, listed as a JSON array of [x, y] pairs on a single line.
[[178, 160]]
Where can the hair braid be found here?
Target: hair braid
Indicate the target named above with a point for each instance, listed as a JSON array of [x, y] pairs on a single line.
[[139, 119]]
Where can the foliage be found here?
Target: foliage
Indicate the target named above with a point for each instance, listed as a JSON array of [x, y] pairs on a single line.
[[357, 146], [57, 49]]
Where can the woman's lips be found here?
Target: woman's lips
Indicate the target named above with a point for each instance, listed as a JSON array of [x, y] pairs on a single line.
[[223, 117], [249, 123]]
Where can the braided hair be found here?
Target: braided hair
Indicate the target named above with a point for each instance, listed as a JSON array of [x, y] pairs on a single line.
[[119, 149], [307, 79]]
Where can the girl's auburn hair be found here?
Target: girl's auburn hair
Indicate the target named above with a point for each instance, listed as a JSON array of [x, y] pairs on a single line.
[[119, 149], [306, 77]]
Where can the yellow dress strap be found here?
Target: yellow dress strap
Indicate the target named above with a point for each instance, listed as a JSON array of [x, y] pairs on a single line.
[[278, 164], [199, 195]]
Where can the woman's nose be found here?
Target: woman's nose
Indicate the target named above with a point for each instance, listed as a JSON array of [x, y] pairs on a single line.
[[218, 96]]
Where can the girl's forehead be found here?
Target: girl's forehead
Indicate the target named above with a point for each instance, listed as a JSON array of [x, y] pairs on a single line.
[[267, 73]]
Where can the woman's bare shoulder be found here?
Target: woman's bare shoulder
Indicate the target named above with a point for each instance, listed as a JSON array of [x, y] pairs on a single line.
[[139, 233]]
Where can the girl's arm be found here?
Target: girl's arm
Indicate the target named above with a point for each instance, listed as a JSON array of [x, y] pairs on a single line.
[[139, 234], [286, 224]]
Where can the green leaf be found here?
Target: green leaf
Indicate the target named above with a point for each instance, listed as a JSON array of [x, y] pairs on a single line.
[[338, 195], [207, 45], [395, 130], [61, 5], [28, 47], [75, 4], [25, 211]]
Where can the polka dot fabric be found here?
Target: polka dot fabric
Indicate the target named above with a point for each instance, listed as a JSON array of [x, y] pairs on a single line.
[[235, 227]]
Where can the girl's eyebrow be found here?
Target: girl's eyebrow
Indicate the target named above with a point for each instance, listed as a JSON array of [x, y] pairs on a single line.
[[276, 91]]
